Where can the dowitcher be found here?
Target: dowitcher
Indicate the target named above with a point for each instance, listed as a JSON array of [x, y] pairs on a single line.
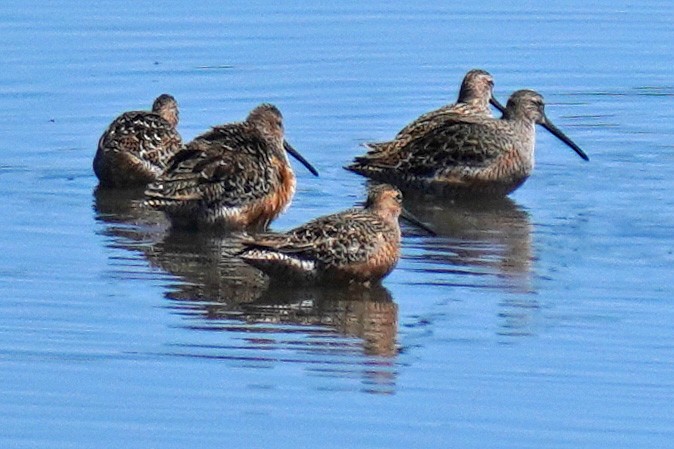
[[137, 145], [467, 155], [358, 245], [234, 176], [475, 95]]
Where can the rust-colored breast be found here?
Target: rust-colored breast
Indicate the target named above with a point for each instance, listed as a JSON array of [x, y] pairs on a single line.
[[265, 209], [376, 267]]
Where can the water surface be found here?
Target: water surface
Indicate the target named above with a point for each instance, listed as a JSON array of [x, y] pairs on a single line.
[[543, 320]]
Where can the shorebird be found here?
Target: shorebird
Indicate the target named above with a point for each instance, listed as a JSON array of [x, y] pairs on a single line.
[[359, 245], [475, 95], [137, 145], [235, 176], [466, 155]]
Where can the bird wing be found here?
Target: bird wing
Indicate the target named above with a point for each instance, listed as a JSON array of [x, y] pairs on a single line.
[[144, 135], [454, 141], [228, 170], [350, 236]]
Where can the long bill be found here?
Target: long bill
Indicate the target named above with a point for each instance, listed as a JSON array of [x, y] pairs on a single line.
[[547, 124], [494, 102], [407, 216], [293, 152]]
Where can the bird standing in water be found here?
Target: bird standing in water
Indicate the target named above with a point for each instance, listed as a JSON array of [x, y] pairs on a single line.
[[137, 146], [475, 96], [359, 245], [235, 176], [466, 155]]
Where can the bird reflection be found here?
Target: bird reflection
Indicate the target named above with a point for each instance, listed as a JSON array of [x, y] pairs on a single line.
[[224, 287], [217, 287], [210, 276], [478, 237], [127, 221], [330, 330], [366, 313], [219, 292]]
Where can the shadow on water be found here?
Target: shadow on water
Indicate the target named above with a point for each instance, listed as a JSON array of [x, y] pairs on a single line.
[[329, 330], [476, 238]]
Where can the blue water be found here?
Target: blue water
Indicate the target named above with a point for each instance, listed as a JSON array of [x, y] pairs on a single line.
[[543, 321]]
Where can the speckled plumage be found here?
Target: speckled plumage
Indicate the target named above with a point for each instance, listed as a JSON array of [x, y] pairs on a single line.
[[233, 177], [358, 245], [466, 155], [135, 149], [475, 95]]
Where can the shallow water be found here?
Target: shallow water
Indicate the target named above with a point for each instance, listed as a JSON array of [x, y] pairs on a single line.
[[540, 321]]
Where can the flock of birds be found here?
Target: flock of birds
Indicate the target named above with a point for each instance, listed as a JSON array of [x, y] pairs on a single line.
[[237, 177]]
